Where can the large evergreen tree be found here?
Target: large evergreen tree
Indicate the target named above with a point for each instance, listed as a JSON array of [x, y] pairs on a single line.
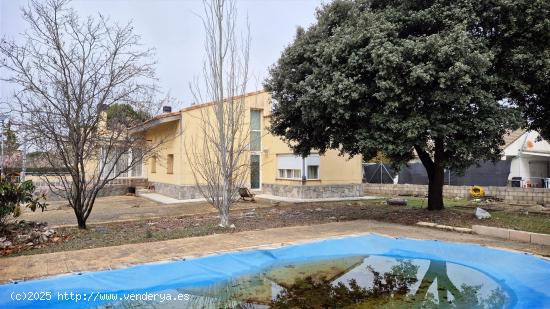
[[518, 33], [408, 78]]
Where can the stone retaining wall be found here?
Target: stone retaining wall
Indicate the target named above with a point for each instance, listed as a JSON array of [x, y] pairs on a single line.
[[184, 192], [110, 190], [309, 192], [508, 194]]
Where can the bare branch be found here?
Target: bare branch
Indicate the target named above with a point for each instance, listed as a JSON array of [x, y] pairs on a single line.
[[70, 71]]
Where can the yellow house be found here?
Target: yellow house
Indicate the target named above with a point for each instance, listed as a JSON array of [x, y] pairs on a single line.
[[273, 168]]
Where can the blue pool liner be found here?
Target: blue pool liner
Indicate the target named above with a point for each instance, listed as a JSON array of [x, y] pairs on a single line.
[[525, 278]]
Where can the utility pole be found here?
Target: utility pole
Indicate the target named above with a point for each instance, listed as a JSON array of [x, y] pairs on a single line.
[[3, 117], [23, 162]]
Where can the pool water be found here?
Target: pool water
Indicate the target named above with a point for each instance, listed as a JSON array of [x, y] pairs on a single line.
[[353, 272]]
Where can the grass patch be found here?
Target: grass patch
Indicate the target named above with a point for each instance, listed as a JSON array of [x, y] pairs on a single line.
[[530, 222], [421, 202]]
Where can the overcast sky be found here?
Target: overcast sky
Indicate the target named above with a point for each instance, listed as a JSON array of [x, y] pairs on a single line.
[[173, 28]]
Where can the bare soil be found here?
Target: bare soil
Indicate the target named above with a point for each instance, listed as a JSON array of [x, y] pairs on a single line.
[[268, 215]]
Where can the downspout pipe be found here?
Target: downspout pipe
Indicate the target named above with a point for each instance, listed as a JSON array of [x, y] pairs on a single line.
[[304, 177], [520, 151]]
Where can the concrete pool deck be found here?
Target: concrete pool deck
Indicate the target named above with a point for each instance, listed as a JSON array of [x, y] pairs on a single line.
[[41, 265]]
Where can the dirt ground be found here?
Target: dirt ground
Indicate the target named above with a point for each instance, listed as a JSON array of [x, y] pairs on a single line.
[[122, 208], [264, 214]]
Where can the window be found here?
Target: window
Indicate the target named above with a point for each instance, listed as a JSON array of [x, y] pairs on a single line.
[[313, 172], [137, 168], [170, 164], [312, 166], [290, 174], [255, 171], [108, 162], [255, 130], [121, 166], [114, 162], [290, 166], [153, 164]]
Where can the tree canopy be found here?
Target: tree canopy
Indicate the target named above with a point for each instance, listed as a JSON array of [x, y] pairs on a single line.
[[518, 33], [124, 115], [407, 78]]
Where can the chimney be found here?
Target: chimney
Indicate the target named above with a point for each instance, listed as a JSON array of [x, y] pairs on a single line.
[[167, 109]]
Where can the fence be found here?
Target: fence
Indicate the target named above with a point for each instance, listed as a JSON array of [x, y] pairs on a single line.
[[508, 194]]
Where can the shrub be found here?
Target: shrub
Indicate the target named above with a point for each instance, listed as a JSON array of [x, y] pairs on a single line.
[[14, 195]]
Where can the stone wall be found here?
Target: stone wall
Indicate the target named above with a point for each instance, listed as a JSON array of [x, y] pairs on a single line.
[[109, 190], [308, 192], [118, 188], [508, 194], [176, 191]]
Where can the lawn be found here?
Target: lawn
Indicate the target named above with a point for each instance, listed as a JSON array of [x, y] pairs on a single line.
[[458, 213], [510, 218], [419, 202], [530, 222]]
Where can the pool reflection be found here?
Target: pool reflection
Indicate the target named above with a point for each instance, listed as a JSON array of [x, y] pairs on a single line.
[[349, 282]]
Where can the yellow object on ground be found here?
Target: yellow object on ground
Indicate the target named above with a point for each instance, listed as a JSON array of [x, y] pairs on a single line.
[[477, 192]]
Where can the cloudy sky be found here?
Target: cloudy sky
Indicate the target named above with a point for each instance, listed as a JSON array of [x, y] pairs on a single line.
[[173, 28]]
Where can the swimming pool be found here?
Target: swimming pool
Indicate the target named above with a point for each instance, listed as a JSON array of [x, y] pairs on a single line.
[[368, 269]]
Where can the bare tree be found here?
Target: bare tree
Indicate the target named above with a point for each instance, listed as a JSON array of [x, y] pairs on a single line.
[[69, 72], [217, 154]]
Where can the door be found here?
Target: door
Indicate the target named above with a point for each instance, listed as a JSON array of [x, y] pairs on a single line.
[[255, 171]]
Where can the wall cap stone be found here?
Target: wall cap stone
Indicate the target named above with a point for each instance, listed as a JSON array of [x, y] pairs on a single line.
[[523, 236]]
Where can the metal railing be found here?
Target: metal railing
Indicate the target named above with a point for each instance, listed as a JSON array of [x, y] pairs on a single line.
[[530, 182]]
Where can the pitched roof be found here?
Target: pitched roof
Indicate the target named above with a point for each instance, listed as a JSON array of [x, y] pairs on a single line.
[[158, 119], [512, 136], [200, 105]]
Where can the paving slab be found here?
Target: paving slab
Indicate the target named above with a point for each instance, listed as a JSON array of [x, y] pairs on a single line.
[[41, 265], [163, 199]]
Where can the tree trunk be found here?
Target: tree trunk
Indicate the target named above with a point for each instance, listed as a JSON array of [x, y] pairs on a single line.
[[81, 222], [435, 187], [436, 173], [224, 218], [80, 218]]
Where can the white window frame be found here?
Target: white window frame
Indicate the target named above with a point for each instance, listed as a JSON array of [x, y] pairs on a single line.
[[255, 130], [318, 172], [259, 151], [301, 166], [287, 171], [129, 172]]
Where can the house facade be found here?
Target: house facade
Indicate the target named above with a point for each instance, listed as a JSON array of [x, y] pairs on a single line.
[[273, 168]]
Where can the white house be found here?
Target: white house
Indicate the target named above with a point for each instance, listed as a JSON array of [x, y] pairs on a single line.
[[529, 156]]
